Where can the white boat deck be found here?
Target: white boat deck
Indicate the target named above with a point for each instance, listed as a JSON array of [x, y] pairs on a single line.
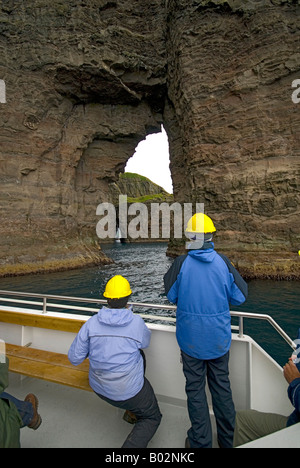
[[79, 419]]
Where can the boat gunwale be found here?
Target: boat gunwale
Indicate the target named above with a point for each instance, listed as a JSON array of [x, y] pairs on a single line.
[[240, 314]]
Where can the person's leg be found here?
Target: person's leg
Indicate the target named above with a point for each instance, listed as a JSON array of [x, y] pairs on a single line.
[[145, 407], [36, 420], [200, 434], [147, 412], [223, 406], [25, 408], [128, 415], [251, 425]]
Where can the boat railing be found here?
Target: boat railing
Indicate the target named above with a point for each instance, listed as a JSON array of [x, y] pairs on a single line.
[[45, 304]]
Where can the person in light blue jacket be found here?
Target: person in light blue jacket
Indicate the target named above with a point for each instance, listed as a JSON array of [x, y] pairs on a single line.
[[113, 341], [202, 283]]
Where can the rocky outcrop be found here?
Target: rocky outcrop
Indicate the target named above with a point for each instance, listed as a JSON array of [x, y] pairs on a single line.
[[87, 81], [138, 189], [233, 128], [84, 82]]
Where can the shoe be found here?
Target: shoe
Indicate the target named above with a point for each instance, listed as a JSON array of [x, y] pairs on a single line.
[[36, 420], [129, 417], [187, 443]]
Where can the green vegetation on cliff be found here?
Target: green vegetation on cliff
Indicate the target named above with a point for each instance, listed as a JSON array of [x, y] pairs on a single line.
[[140, 189]]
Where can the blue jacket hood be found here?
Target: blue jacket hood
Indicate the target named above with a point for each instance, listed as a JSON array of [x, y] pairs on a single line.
[[203, 255], [115, 317]]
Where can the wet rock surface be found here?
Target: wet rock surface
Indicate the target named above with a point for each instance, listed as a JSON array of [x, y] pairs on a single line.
[[86, 81]]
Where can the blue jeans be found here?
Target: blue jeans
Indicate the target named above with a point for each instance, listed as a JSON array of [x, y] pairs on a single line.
[[216, 371], [24, 408]]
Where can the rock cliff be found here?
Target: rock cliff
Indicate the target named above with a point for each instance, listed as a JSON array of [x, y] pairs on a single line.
[[87, 81], [231, 65]]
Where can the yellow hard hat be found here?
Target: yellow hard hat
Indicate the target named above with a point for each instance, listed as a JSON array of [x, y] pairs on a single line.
[[117, 287], [200, 223]]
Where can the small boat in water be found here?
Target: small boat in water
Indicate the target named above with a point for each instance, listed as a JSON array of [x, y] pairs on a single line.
[[118, 238], [34, 326]]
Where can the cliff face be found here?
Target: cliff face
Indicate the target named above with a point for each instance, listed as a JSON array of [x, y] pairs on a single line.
[[86, 81], [231, 67]]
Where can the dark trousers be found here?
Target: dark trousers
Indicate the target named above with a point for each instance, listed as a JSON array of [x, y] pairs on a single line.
[[216, 371], [145, 407]]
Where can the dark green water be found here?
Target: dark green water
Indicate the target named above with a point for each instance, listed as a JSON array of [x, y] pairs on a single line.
[[144, 265]]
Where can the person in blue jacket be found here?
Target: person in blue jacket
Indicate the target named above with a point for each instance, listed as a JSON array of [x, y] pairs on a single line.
[[251, 424], [113, 340], [202, 284]]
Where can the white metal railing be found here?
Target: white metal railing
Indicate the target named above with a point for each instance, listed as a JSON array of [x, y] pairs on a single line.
[[45, 305]]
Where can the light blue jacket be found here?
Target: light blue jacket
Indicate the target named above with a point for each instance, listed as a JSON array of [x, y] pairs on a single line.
[[203, 283], [112, 340]]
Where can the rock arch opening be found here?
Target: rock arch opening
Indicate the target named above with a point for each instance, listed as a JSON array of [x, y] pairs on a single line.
[[152, 160]]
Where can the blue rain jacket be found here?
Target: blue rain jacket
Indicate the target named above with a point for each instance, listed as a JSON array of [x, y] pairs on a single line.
[[203, 283], [294, 396], [294, 389], [112, 340]]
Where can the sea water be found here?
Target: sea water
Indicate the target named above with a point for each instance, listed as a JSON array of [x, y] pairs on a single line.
[[144, 265]]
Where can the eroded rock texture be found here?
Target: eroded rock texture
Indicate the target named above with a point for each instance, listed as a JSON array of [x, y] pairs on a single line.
[[87, 80], [231, 68], [84, 83]]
